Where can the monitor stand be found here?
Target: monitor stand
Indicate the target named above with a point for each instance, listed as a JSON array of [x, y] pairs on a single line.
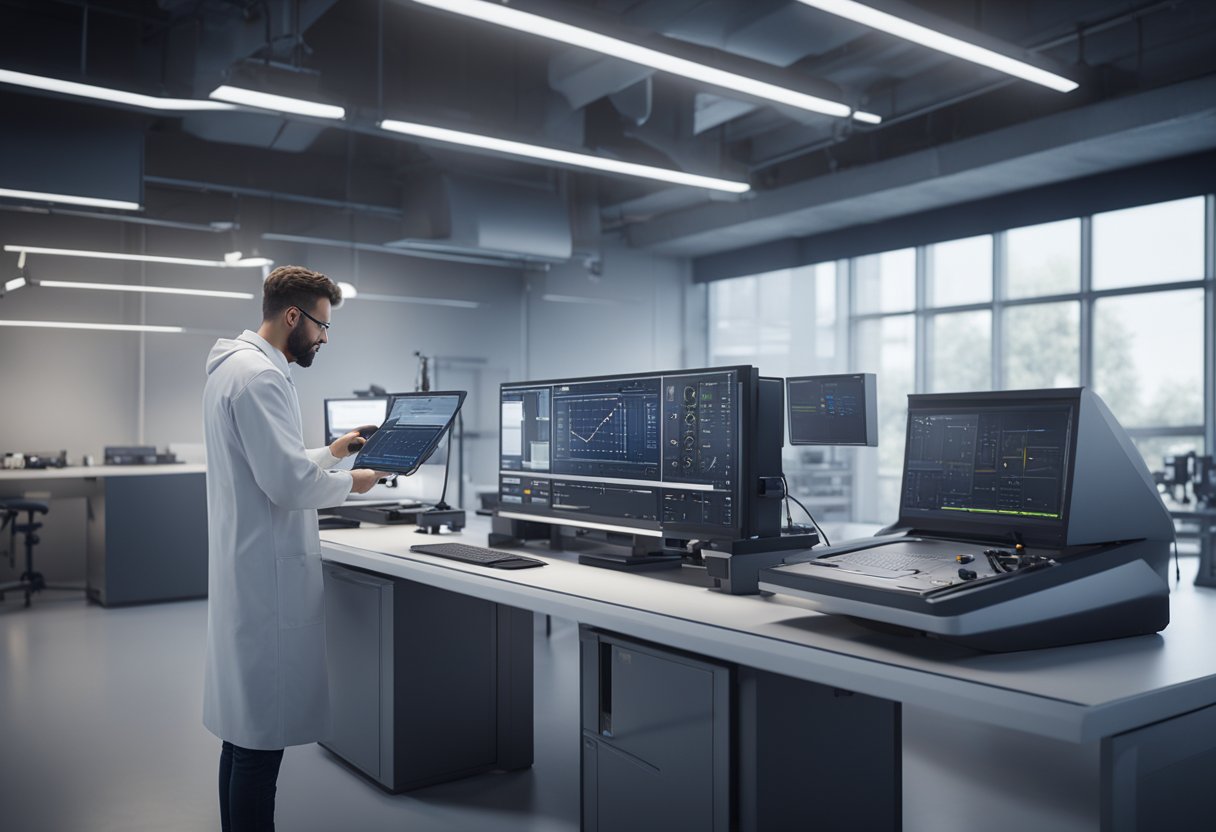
[[623, 552], [630, 563]]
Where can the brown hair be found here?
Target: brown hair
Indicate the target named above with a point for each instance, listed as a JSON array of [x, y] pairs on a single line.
[[289, 286]]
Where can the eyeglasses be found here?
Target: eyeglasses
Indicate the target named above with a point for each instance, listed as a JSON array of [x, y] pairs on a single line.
[[324, 326]]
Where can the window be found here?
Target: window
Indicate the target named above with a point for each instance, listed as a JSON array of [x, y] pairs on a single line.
[[1148, 357], [887, 346], [1160, 243], [1116, 302], [1042, 345], [885, 282], [1043, 259], [962, 351], [960, 271]]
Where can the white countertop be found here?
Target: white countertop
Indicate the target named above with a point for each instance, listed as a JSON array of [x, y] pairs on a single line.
[[1078, 693], [94, 471]]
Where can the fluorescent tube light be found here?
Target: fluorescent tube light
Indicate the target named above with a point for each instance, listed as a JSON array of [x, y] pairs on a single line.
[[160, 290], [565, 157], [110, 327], [906, 29], [132, 99], [70, 199], [545, 27], [579, 299], [278, 103], [248, 262], [14, 284], [456, 304]]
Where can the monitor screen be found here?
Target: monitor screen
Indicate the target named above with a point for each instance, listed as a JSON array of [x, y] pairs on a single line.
[[1002, 461], [344, 415], [656, 454], [415, 424], [833, 410]]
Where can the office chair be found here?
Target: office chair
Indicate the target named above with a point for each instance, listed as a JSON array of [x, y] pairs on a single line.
[[30, 581]]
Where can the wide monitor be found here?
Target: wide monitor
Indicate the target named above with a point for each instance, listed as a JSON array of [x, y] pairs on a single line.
[[344, 415], [415, 424], [983, 463], [665, 454], [833, 409]]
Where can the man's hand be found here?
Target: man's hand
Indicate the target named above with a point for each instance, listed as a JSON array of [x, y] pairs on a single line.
[[349, 443], [364, 479]]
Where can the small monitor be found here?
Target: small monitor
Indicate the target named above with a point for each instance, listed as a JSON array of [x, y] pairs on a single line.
[[833, 410], [344, 415], [415, 425]]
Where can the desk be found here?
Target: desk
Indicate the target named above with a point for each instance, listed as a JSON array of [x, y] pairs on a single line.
[[1056, 739], [146, 526], [1198, 521]]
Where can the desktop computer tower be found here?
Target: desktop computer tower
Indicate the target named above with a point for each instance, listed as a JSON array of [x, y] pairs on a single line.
[[656, 749]]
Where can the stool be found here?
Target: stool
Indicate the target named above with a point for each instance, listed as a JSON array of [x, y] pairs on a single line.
[[10, 515]]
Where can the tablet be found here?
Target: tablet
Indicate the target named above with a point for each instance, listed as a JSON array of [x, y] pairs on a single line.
[[415, 424]]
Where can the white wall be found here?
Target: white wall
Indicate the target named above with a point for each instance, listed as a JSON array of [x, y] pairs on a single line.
[[630, 318]]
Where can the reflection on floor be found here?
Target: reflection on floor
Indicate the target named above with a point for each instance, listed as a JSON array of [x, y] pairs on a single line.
[[100, 730]]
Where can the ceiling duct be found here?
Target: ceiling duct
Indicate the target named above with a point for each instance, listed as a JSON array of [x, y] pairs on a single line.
[[466, 214]]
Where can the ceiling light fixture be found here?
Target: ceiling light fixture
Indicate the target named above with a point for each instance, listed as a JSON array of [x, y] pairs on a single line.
[[545, 27], [906, 29], [132, 99], [564, 157], [110, 327], [278, 103], [70, 199], [158, 290], [248, 262], [451, 302], [15, 284]]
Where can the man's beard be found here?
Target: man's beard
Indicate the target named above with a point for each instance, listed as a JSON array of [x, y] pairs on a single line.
[[299, 345]]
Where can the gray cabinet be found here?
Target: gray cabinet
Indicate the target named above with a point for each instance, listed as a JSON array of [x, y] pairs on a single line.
[[655, 738], [147, 538], [426, 685]]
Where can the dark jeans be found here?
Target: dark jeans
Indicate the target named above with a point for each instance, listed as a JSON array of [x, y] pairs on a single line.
[[247, 787]]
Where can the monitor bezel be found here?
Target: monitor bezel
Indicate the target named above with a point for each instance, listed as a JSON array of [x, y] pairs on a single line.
[[747, 381], [425, 454], [1031, 531], [325, 405], [869, 409]]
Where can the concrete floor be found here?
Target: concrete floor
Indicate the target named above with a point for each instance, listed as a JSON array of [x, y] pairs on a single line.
[[100, 730]]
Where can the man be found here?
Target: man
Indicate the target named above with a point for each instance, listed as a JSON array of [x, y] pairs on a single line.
[[265, 685]]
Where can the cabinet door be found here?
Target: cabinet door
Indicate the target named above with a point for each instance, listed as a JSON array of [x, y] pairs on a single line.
[[656, 768], [354, 612]]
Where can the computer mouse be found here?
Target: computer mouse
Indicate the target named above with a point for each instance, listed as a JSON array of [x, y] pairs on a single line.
[[366, 433]]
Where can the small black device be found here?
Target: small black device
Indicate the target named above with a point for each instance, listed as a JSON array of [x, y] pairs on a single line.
[[1204, 480], [381, 515], [415, 424], [366, 432], [130, 455], [342, 415], [833, 409], [477, 555]]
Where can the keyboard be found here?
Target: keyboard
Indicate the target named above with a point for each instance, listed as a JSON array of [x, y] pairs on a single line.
[[476, 554]]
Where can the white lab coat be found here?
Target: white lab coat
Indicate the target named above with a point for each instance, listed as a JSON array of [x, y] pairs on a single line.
[[265, 682]]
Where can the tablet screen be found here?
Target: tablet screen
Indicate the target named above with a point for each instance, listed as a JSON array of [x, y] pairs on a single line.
[[415, 424]]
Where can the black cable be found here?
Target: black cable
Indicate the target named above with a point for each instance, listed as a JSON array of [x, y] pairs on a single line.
[[814, 522], [1177, 568]]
